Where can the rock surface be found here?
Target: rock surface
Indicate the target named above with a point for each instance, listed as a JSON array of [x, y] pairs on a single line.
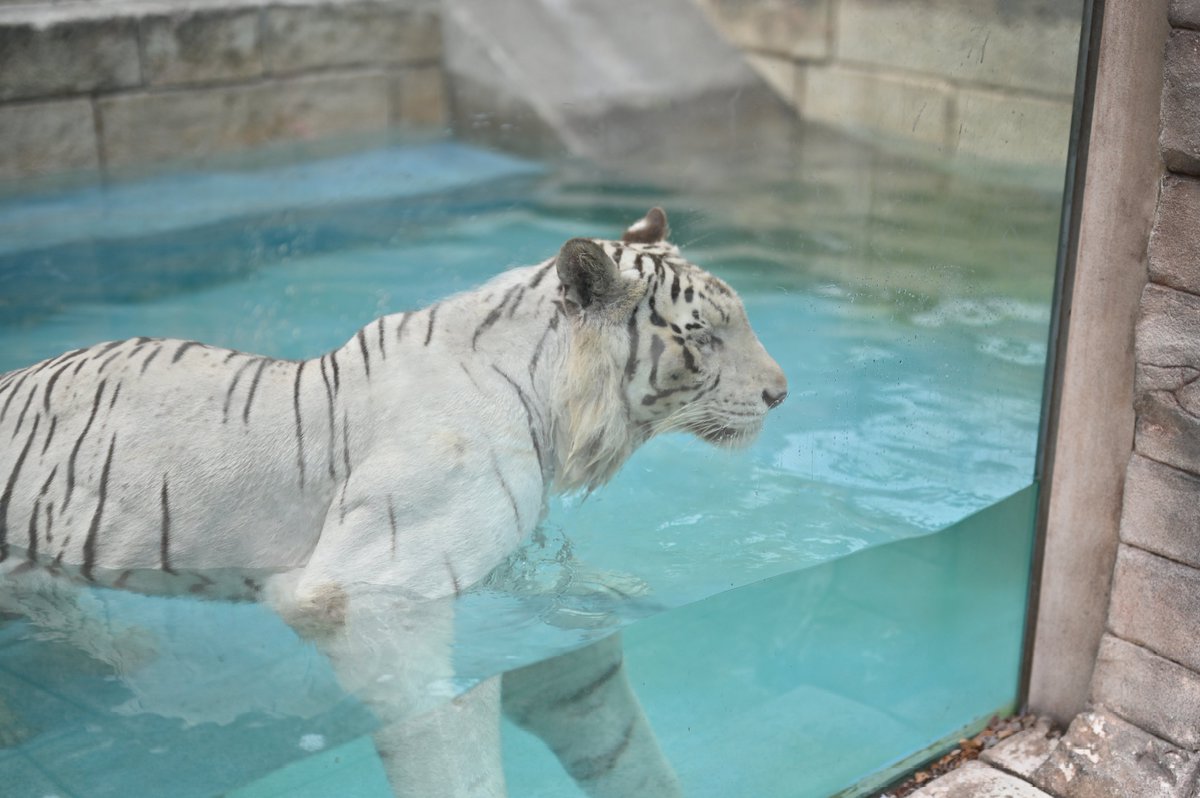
[[1180, 139], [1168, 343], [1023, 753], [1175, 240], [1150, 691], [1156, 604], [1102, 756], [1160, 512], [976, 780]]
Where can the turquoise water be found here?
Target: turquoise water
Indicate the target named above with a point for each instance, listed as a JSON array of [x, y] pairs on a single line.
[[816, 609]]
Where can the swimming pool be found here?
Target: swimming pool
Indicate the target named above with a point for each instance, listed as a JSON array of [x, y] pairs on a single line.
[[842, 595]]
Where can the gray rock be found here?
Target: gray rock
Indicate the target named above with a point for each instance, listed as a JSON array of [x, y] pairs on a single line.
[[46, 137], [1167, 431], [1154, 693], [1024, 752], [1168, 405], [1175, 240], [1180, 139], [1185, 14], [976, 780], [1161, 511], [1164, 378], [1102, 756], [201, 45], [1168, 328], [69, 57], [322, 35], [1156, 603]]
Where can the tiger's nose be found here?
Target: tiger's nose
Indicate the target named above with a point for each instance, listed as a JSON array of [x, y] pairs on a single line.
[[774, 399]]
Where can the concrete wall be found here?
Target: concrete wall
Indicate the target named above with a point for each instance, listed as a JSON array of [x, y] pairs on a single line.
[[108, 85], [991, 79]]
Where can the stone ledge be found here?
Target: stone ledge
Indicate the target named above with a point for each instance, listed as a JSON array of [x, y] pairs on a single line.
[[1175, 240], [796, 29], [1004, 127], [1160, 512], [904, 107], [63, 49], [69, 57], [1103, 756], [418, 98], [1180, 138], [1154, 693], [1156, 604], [201, 46], [1019, 51], [1024, 752], [155, 126], [977, 780], [299, 38], [45, 137]]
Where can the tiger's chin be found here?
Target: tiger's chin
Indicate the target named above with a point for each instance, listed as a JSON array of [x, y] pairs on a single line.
[[733, 436]]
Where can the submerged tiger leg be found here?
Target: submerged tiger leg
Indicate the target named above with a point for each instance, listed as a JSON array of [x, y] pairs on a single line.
[[377, 598], [394, 654], [582, 706], [453, 750]]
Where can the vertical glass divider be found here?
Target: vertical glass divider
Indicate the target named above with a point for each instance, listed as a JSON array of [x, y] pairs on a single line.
[[1075, 176]]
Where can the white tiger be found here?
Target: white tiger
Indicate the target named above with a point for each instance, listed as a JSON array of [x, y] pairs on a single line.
[[360, 492]]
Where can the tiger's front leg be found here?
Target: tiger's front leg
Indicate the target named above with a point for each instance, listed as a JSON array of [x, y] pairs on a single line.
[[393, 653], [583, 707], [377, 597]]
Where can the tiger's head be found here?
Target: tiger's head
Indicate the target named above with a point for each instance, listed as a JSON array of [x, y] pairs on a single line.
[[659, 344]]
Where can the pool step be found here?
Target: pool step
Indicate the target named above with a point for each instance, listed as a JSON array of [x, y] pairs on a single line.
[[138, 239]]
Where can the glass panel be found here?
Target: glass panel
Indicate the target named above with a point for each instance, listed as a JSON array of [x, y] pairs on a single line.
[[881, 184]]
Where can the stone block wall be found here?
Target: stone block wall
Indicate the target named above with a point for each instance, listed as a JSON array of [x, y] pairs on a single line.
[[990, 79], [103, 86], [1145, 688]]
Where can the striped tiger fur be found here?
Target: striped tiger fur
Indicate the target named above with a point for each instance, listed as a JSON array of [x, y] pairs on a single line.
[[358, 493]]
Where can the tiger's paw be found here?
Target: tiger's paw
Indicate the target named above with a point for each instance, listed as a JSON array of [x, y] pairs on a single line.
[[584, 582], [588, 599]]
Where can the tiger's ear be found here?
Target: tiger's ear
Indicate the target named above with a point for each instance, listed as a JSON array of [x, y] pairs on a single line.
[[650, 229], [587, 273]]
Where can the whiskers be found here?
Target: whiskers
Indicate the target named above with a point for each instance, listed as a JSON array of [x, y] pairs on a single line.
[[702, 420]]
